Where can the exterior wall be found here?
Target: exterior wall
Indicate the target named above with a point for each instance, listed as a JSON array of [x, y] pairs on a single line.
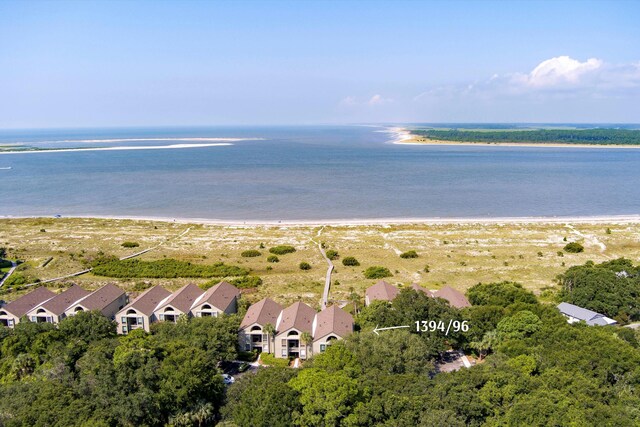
[[111, 310], [160, 314], [284, 348], [215, 311], [125, 325], [202, 312], [254, 340], [33, 316], [233, 307], [8, 320], [320, 345]]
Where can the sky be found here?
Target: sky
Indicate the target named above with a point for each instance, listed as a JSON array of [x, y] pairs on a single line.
[[174, 63]]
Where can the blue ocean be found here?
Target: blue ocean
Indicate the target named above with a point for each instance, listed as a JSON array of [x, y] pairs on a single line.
[[305, 173]]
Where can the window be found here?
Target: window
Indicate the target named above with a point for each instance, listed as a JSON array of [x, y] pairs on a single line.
[[284, 352], [123, 320], [247, 347], [283, 342], [323, 347], [124, 329], [140, 321], [161, 317]]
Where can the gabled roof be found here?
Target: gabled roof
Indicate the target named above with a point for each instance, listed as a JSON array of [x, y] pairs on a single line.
[[148, 300], [26, 303], [297, 316], [61, 302], [220, 296], [591, 317], [382, 291], [263, 312], [419, 288], [333, 320], [455, 298], [183, 298], [101, 298]]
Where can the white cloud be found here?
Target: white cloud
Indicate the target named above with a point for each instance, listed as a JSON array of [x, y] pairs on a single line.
[[558, 77], [559, 71], [348, 101], [375, 101]]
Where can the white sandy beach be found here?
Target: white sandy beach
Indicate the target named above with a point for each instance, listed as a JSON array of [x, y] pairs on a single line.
[[120, 148], [604, 219]]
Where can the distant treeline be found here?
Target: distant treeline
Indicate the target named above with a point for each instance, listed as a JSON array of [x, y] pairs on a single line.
[[565, 136], [164, 268]]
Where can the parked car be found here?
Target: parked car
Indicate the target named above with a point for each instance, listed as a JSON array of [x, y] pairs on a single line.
[[228, 379], [243, 367]]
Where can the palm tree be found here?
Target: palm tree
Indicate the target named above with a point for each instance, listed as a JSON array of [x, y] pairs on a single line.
[[270, 330], [486, 344], [306, 338], [354, 298]]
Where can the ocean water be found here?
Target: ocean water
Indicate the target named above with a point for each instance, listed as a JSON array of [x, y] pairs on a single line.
[[307, 173]]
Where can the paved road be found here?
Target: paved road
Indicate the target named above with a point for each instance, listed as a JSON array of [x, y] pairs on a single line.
[[9, 273]]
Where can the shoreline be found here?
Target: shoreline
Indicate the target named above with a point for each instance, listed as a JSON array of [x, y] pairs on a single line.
[[120, 148], [405, 137], [595, 219]]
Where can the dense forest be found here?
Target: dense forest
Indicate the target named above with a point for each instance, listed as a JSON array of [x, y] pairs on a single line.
[[564, 136], [533, 368]]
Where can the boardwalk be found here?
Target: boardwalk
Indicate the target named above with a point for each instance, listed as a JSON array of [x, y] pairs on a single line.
[[9, 273], [327, 282]]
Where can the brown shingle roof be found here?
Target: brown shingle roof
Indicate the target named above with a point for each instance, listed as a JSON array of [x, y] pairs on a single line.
[[333, 320], [455, 298], [183, 298], [381, 291], [58, 304], [263, 312], [27, 302], [419, 288], [219, 296], [101, 298], [299, 316], [148, 300]]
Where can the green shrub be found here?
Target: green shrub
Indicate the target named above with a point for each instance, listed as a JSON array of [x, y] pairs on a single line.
[[282, 249], [5, 263], [251, 253], [130, 244], [377, 272], [164, 268], [574, 248], [271, 360], [331, 254], [350, 261], [246, 282], [18, 279], [305, 266], [247, 356], [273, 258], [409, 254]]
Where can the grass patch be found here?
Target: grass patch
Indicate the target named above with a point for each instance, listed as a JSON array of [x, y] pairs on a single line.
[[166, 269]]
